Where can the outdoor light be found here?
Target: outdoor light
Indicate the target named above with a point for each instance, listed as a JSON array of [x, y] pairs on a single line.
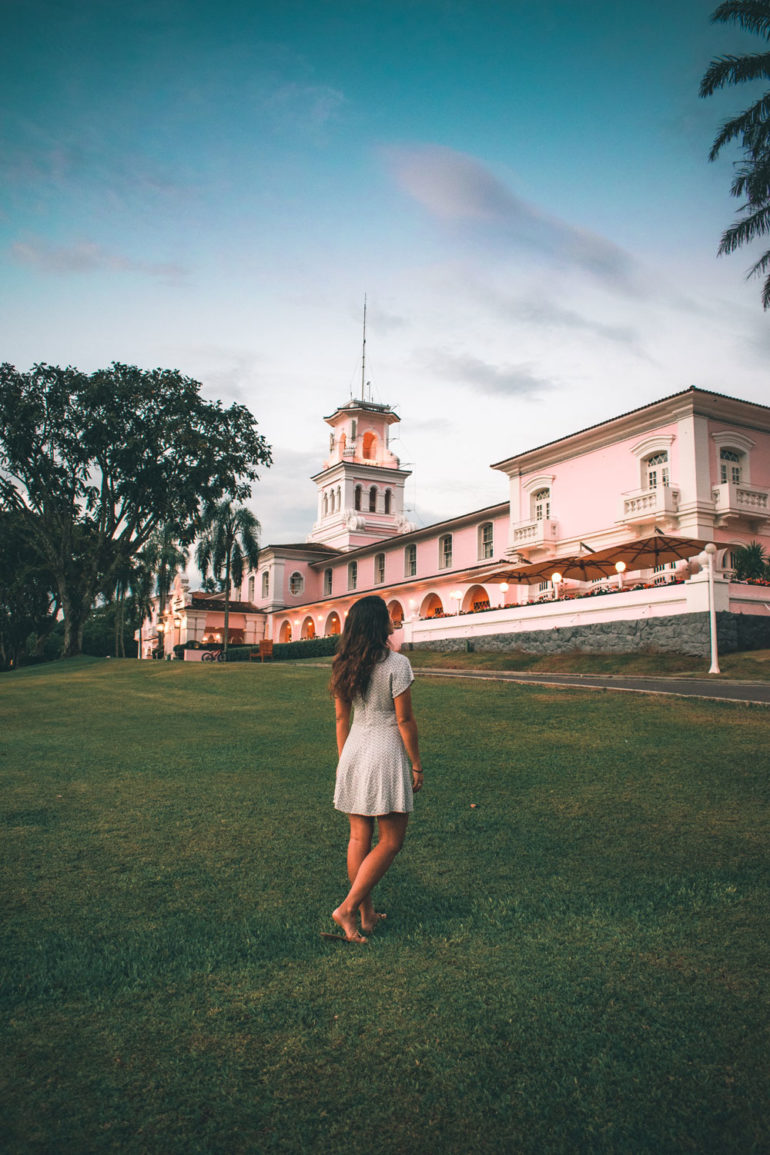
[[620, 567], [504, 586], [707, 559]]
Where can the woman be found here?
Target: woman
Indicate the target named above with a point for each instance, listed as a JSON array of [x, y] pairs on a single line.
[[379, 767]]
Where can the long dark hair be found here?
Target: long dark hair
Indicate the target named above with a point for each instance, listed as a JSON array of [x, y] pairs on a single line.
[[364, 642]]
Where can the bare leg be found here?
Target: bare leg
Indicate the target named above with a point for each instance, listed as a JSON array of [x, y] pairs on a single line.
[[392, 829], [361, 831]]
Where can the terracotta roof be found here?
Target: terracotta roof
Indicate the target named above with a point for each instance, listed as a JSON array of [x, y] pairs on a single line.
[[216, 602]]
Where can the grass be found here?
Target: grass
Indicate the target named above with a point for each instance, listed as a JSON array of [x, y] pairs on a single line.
[[575, 959], [751, 665]]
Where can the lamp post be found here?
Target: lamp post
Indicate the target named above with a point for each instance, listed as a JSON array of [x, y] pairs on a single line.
[[556, 578], [620, 568], [707, 559], [457, 597], [503, 591]]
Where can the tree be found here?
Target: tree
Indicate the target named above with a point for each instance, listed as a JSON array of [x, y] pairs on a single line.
[[103, 460], [750, 129], [228, 543], [28, 597], [750, 561]]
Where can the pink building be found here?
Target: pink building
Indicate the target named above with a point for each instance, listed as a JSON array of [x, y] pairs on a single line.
[[695, 465]]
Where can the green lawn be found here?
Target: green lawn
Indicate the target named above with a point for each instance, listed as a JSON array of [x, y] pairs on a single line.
[[575, 960]]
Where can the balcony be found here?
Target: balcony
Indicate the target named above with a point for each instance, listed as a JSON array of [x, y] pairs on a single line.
[[533, 535], [642, 506], [747, 503]]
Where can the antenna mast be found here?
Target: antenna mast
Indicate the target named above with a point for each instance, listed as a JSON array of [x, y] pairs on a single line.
[[363, 357]]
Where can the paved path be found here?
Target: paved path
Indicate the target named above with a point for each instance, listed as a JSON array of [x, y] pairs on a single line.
[[757, 693]]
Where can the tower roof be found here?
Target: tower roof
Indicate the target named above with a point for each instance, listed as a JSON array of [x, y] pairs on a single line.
[[351, 407]]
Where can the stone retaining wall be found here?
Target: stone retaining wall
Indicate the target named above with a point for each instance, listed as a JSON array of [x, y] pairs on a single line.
[[678, 634]]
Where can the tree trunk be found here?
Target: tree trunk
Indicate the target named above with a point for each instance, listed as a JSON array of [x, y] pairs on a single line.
[[227, 605]]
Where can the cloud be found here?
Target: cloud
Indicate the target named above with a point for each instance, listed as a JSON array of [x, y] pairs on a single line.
[[87, 257], [310, 106], [460, 190], [509, 380]]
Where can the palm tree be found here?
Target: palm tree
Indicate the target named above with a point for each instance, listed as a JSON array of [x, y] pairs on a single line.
[[751, 129], [228, 543], [750, 561]]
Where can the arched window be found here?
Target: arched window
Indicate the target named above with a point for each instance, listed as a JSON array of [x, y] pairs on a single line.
[[730, 463], [445, 551], [486, 541], [373, 499], [352, 575], [410, 561], [357, 497], [343, 442], [369, 446], [388, 499], [266, 583], [655, 470], [339, 498], [326, 504], [379, 568], [327, 582], [296, 583], [541, 505], [285, 632]]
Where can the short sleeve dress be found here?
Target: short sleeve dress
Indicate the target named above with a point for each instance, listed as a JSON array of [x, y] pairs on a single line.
[[374, 774]]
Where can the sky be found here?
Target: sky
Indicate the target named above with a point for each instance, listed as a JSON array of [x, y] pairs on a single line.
[[521, 191]]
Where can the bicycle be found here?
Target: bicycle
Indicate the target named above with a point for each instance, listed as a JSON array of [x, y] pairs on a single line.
[[213, 656]]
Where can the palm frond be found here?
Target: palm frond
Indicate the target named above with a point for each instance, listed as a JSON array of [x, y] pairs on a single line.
[[752, 126], [752, 15], [754, 225]]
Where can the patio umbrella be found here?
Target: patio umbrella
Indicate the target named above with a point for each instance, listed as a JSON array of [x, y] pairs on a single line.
[[648, 552], [582, 567]]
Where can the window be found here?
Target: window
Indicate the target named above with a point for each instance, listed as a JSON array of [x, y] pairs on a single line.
[[373, 499], [379, 568], [353, 427], [388, 498], [486, 541], [296, 583], [251, 588], [656, 468], [352, 575], [730, 466], [331, 443], [369, 447], [410, 561], [445, 551], [266, 584], [357, 497], [326, 504], [541, 505], [327, 582]]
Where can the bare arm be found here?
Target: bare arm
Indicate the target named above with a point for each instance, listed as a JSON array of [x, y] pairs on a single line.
[[342, 715], [408, 729]]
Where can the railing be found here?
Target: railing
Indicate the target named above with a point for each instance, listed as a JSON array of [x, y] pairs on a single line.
[[731, 500], [529, 533], [643, 504]]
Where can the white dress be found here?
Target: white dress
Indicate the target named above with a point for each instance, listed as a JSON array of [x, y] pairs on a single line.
[[374, 774]]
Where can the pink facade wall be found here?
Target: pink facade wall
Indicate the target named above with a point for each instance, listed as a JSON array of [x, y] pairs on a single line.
[[587, 489]]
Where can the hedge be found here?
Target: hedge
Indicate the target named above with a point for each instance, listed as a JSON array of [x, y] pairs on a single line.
[[287, 651]]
